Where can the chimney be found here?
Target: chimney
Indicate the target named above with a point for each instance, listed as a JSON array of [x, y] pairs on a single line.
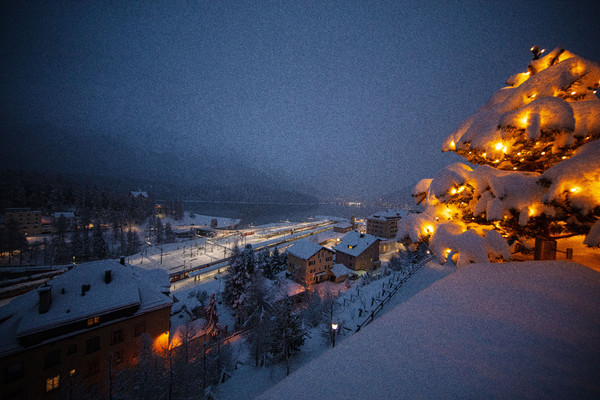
[[122, 260], [45, 293], [107, 276]]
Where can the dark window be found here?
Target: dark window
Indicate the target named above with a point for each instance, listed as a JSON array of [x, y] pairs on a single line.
[[93, 367], [93, 344], [117, 357], [72, 349], [117, 336], [140, 328], [13, 372], [52, 358]]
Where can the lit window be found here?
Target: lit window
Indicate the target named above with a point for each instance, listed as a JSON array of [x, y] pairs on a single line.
[[93, 321], [52, 383]]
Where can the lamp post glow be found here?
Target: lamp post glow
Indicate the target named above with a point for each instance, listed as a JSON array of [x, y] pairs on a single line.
[[333, 329]]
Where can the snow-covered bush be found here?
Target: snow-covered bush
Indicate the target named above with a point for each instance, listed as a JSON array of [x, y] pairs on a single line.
[[536, 146]]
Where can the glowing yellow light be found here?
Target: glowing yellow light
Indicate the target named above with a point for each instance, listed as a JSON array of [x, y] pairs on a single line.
[[498, 146], [460, 189], [575, 189], [453, 191], [484, 155], [564, 157], [505, 149], [526, 73], [522, 159], [496, 161], [452, 145], [524, 120], [531, 211], [533, 96], [515, 168], [543, 50], [428, 229], [573, 93], [543, 153], [532, 47]]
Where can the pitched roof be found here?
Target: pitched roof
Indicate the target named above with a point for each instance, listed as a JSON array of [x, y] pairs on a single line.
[[340, 270], [389, 214], [129, 286], [355, 243], [305, 249]]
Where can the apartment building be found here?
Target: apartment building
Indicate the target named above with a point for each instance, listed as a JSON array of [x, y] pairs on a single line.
[[310, 261], [82, 326], [384, 224]]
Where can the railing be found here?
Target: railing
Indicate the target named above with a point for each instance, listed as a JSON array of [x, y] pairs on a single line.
[[391, 293]]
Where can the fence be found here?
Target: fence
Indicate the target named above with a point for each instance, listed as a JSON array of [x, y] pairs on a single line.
[[387, 299]]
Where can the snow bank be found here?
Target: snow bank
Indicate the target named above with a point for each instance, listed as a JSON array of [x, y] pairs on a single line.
[[514, 330]]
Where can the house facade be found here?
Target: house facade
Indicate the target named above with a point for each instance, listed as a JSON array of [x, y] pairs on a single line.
[[29, 221], [384, 224], [358, 251], [309, 261], [80, 329]]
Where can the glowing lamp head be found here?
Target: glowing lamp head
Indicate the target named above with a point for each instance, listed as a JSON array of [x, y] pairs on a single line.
[[452, 145], [334, 326]]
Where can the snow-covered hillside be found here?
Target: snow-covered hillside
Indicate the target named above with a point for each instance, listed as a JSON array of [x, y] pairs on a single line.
[[511, 330]]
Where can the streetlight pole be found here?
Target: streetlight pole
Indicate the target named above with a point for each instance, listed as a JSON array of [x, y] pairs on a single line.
[[333, 330]]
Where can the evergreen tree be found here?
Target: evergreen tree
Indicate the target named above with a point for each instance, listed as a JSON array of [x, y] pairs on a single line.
[[77, 244], [212, 326], [99, 246], [287, 335], [263, 264], [133, 242], [258, 312], [237, 281], [537, 146], [278, 262], [169, 235], [159, 231]]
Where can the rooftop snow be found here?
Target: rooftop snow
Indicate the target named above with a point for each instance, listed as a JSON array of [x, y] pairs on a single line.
[[304, 249], [341, 270], [390, 213], [129, 286], [355, 243]]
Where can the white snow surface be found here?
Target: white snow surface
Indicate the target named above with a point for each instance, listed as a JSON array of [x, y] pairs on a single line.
[[532, 104], [508, 330], [355, 243], [304, 249]]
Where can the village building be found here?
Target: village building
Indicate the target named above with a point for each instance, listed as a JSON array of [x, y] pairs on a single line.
[[358, 251], [339, 273], [384, 224], [309, 261], [29, 222], [81, 327], [343, 227]]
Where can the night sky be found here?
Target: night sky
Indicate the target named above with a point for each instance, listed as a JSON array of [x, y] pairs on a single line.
[[343, 98]]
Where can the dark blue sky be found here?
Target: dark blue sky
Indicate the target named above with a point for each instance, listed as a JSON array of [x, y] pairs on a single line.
[[345, 97]]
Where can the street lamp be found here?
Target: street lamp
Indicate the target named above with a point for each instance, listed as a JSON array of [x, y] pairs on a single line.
[[334, 327]]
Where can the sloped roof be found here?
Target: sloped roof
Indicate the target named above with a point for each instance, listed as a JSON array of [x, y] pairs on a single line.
[[355, 243], [129, 286], [305, 249], [340, 270], [389, 214]]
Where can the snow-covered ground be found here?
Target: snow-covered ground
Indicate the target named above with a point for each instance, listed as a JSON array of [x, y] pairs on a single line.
[[506, 330]]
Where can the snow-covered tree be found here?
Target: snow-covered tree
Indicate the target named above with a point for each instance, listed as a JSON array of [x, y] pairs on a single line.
[[287, 335], [133, 242], [169, 234], [536, 144], [258, 311], [212, 326], [99, 246], [237, 280]]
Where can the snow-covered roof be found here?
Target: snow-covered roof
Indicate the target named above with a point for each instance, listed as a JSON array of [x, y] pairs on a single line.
[[343, 225], [355, 243], [137, 194], [389, 214], [511, 330], [66, 214], [129, 286], [340, 270], [305, 249]]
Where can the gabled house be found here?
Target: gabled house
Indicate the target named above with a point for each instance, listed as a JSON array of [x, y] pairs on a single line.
[[358, 251], [309, 261], [82, 326]]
